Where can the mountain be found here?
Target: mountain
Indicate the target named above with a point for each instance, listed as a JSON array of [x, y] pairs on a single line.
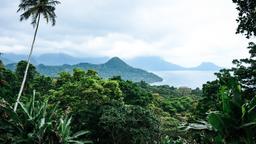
[[153, 64], [206, 66], [9, 58], [51, 59], [150, 63], [114, 67], [61, 59], [6, 61], [158, 64], [56, 59]]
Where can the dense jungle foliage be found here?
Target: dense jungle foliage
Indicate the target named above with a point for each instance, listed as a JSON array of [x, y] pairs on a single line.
[[111, 110], [81, 107]]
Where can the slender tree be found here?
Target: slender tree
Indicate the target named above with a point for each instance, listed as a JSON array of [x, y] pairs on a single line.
[[34, 9]]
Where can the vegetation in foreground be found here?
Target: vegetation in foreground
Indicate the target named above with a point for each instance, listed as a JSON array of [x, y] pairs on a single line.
[[119, 111], [113, 110]]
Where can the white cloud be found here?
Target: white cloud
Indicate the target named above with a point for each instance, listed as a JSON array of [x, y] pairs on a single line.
[[183, 32]]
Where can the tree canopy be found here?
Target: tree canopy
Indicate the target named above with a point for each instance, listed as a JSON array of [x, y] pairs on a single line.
[[246, 17]]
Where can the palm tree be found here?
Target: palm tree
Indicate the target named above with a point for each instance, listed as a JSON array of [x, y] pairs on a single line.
[[34, 9]]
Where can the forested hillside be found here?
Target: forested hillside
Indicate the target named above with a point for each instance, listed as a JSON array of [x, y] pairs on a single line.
[[113, 67]]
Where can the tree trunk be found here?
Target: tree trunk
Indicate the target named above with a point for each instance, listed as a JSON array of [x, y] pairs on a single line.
[[27, 67]]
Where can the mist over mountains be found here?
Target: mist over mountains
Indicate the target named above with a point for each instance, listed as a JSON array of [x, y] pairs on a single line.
[[148, 63], [51, 59]]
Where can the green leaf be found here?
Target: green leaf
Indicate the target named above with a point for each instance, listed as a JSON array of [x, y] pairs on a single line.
[[244, 110], [80, 142], [248, 125], [80, 133], [216, 121], [25, 110], [42, 122]]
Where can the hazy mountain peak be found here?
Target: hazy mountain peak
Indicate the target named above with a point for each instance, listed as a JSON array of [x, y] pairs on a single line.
[[116, 61], [207, 63], [153, 63], [54, 55], [207, 66]]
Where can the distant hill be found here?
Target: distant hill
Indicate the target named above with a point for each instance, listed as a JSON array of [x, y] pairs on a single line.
[[206, 66], [57, 59], [113, 67], [61, 59], [148, 63], [158, 64], [51, 59], [6, 61], [8, 58], [153, 64]]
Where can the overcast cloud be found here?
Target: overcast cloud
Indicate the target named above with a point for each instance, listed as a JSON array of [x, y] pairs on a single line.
[[185, 32]]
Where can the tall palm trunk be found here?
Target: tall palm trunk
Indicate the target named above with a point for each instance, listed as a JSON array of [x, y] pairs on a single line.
[[27, 67]]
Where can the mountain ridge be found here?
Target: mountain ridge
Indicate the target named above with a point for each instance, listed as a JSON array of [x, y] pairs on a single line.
[[154, 63], [149, 63], [206, 66], [113, 67]]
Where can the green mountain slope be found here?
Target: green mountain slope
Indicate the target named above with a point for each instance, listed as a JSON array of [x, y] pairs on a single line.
[[113, 67]]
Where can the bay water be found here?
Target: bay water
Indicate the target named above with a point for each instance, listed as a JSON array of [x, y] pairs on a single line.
[[191, 79]]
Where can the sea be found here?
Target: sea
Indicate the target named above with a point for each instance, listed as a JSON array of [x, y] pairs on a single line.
[[191, 79]]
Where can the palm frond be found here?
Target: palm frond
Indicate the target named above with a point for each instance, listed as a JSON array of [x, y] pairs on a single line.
[[26, 5], [28, 13], [33, 8], [53, 2]]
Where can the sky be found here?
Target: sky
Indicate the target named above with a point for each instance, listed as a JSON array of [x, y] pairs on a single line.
[[184, 32]]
